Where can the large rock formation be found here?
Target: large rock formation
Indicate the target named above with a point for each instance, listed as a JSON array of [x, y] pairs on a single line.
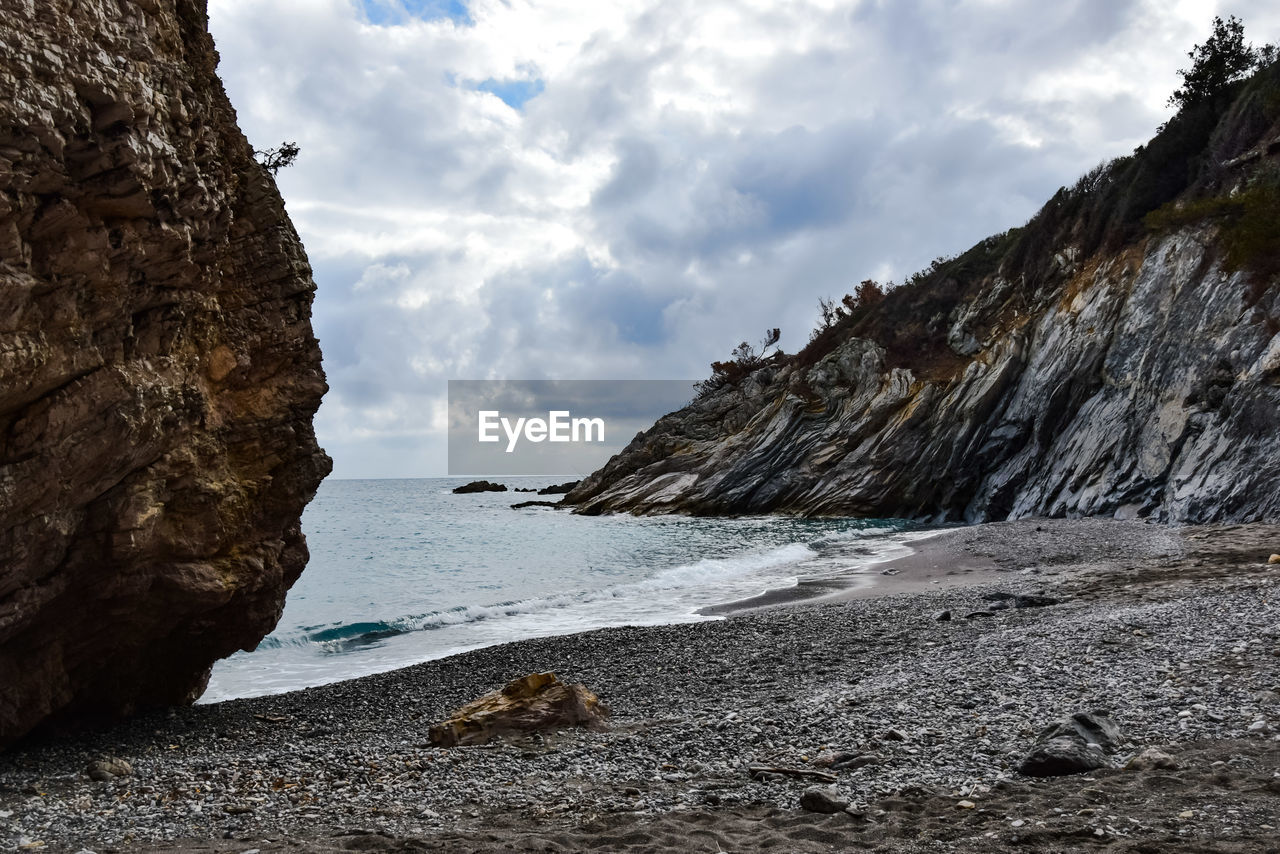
[[1119, 355], [158, 372]]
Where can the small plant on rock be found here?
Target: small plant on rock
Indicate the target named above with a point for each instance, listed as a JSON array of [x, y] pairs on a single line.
[[275, 159], [745, 359]]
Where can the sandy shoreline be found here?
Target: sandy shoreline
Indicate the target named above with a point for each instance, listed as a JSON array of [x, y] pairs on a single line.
[[934, 560], [976, 555], [1175, 632]]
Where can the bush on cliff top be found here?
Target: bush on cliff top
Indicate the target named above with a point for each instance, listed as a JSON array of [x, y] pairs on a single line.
[[1220, 117]]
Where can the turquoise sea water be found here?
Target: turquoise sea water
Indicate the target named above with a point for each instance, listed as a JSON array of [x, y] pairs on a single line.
[[404, 571]]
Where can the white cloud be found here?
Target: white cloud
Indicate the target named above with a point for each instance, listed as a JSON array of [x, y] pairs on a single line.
[[686, 176]]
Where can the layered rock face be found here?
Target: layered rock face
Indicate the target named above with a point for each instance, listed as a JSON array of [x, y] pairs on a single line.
[[1056, 370], [158, 372]]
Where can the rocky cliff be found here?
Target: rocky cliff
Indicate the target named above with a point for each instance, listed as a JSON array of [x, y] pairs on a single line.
[[1119, 355], [158, 372]]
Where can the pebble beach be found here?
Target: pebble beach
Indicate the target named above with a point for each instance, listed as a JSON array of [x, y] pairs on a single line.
[[911, 701]]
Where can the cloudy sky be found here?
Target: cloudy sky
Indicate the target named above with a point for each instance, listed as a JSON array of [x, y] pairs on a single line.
[[586, 189]]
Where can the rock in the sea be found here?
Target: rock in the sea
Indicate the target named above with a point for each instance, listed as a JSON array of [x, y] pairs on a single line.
[[1274, 559], [479, 486], [1152, 759], [1072, 746], [824, 799], [559, 488], [158, 371], [539, 701], [520, 505], [101, 770]]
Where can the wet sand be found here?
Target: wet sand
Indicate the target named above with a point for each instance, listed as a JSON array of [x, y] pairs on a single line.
[[976, 555], [934, 562]]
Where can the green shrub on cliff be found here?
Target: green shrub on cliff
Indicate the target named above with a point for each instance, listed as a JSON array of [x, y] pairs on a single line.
[[745, 359], [1249, 222], [1223, 59]]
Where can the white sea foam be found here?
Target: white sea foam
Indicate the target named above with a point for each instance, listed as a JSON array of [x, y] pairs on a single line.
[[381, 551]]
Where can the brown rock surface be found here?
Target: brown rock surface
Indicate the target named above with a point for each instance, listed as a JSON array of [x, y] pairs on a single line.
[[158, 372], [539, 701]]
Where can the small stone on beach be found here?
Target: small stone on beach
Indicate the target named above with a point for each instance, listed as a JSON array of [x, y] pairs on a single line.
[[104, 769], [848, 762], [824, 799], [1151, 759]]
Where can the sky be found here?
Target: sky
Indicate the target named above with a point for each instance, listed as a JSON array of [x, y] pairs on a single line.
[[563, 189]]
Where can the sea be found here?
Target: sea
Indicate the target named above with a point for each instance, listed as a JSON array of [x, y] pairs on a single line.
[[404, 571]]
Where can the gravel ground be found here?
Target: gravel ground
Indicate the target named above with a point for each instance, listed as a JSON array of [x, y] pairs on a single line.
[[1173, 632]]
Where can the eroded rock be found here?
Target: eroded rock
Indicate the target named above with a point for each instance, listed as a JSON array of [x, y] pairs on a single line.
[[539, 701], [158, 371]]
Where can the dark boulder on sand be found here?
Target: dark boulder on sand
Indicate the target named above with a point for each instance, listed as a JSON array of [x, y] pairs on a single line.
[[1060, 756], [1074, 745], [1089, 727], [822, 799]]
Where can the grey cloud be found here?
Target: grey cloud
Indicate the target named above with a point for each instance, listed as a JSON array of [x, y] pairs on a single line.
[[891, 140], [637, 172]]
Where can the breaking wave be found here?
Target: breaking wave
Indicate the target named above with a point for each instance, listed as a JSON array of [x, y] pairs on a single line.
[[342, 637]]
